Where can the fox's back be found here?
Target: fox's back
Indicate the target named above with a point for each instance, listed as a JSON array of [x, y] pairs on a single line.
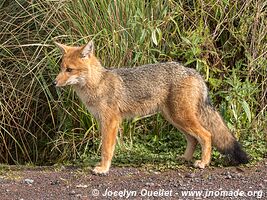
[[153, 77], [153, 74], [148, 86]]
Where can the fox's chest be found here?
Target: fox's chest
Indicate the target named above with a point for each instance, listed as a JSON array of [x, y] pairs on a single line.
[[89, 100]]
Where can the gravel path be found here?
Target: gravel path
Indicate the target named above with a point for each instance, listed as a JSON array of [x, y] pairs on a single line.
[[134, 183]]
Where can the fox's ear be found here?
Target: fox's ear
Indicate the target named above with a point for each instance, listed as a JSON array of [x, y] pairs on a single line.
[[88, 49], [62, 47]]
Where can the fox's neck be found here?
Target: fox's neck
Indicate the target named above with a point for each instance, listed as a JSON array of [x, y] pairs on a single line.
[[92, 78]]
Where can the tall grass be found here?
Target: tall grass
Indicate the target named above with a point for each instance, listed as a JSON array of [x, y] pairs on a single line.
[[225, 40]]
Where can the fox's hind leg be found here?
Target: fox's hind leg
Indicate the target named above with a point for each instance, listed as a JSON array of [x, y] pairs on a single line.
[[182, 110], [193, 128], [190, 140], [204, 138], [190, 148]]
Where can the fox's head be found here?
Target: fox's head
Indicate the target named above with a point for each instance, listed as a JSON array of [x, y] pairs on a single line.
[[78, 66]]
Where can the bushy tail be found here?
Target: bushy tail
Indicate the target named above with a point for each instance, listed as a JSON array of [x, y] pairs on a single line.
[[222, 139]]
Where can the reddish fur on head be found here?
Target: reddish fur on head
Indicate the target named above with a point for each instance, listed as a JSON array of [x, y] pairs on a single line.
[[77, 65]]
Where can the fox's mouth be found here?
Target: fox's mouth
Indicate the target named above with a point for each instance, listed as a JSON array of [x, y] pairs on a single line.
[[57, 84], [73, 80]]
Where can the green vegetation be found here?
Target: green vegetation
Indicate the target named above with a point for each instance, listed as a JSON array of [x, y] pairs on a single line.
[[226, 41]]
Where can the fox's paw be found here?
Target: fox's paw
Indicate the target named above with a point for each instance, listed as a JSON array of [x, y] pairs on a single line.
[[101, 170], [183, 159], [187, 157], [199, 164]]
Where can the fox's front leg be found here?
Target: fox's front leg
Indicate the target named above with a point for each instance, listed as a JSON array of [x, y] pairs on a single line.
[[109, 129]]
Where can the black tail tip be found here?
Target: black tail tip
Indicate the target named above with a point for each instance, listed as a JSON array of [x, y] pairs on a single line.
[[237, 154]]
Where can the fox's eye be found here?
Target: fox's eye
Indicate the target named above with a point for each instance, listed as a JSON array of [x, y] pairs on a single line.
[[68, 69]]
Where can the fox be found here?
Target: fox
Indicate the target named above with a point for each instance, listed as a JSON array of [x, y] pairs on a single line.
[[177, 92]]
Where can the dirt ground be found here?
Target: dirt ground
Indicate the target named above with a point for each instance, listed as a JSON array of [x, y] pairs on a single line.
[[134, 183]]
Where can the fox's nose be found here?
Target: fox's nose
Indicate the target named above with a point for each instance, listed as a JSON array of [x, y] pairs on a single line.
[[54, 82]]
